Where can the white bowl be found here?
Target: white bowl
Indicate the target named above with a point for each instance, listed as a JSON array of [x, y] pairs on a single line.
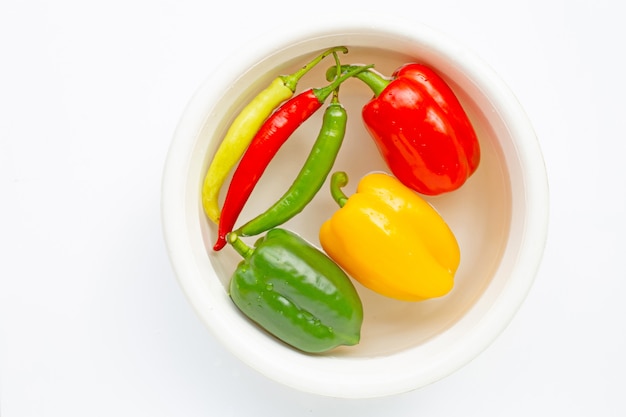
[[499, 216]]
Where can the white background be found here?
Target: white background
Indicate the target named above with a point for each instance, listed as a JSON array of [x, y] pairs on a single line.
[[92, 321]]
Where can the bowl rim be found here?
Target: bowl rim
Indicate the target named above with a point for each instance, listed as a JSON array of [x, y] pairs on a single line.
[[352, 381]]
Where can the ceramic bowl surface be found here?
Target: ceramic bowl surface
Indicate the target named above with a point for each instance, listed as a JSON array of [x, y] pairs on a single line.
[[499, 216]]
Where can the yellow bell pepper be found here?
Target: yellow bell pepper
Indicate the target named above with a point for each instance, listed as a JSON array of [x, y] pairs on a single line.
[[390, 239]]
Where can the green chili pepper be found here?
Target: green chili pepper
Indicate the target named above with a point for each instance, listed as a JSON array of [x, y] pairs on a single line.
[[312, 175], [243, 129], [296, 293]]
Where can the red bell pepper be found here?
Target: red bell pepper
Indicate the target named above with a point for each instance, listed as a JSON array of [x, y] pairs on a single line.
[[420, 128]]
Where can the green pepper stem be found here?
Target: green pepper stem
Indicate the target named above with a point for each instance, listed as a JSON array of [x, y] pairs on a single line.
[[291, 81], [242, 249], [339, 180], [323, 93], [335, 99], [374, 80]]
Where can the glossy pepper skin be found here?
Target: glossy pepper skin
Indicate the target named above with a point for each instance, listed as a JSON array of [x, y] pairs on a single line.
[[274, 132], [296, 293], [390, 239], [310, 178], [243, 128], [421, 129]]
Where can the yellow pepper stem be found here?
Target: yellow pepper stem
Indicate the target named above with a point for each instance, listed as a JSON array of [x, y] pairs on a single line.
[[339, 180]]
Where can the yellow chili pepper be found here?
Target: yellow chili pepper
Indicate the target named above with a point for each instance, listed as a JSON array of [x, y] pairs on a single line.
[[390, 239]]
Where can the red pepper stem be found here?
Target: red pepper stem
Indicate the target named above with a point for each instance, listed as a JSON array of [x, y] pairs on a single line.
[[244, 250], [339, 180], [323, 93], [291, 80], [374, 80]]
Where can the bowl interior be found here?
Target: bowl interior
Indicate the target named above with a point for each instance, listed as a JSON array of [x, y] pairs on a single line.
[[486, 215], [479, 213]]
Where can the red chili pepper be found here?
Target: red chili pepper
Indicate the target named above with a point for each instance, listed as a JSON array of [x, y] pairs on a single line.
[[268, 140], [420, 128]]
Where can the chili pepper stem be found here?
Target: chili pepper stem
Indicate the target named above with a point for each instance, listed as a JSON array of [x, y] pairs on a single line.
[[292, 80], [335, 99], [339, 180], [372, 79], [242, 249], [323, 92]]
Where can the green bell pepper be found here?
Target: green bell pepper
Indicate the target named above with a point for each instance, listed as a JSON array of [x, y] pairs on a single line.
[[295, 292]]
